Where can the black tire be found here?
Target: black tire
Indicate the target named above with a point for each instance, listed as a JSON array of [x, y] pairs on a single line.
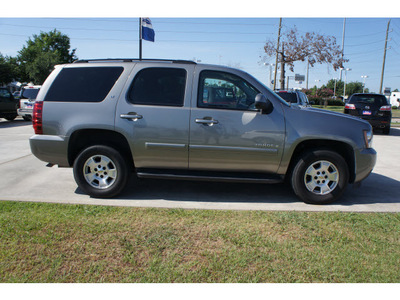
[[386, 130], [320, 176], [101, 171], [27, 118], [10, 118]]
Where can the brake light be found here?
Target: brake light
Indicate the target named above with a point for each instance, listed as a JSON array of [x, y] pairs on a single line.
[[350, 106], [37, 117], [386, 108]]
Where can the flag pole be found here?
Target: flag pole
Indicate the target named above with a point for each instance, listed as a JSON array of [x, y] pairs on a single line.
[[140, 38]]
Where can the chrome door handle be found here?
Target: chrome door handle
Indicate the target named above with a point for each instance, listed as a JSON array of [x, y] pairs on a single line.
[[131, 116], [206, 121]]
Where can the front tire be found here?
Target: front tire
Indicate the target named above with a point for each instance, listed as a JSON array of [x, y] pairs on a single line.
[[320, 177], [101, 171]]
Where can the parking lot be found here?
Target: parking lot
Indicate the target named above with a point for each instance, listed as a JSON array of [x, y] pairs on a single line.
[[25, 178]]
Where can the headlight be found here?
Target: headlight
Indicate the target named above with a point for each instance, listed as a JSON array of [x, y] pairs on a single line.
[[368, 136]]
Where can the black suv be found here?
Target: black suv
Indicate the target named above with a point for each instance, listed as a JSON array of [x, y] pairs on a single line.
[[294, 97], [8, 105], [373, 108]]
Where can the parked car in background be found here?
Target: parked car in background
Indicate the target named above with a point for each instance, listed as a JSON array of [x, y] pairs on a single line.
[[8, 105], [17, 95], [27, 100], [373, 108], [294, 97]]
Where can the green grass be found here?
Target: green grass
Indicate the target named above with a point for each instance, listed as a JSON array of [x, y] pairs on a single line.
[[76, 243]]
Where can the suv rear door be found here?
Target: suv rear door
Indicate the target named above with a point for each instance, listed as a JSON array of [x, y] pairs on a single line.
[[227, 133], [154, 114]]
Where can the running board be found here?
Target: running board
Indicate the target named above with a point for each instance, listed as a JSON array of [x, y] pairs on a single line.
[[201, 176]]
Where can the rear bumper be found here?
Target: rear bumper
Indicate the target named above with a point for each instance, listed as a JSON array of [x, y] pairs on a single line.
[[25, 112], [50, 148], [365, 163], [379, 123]]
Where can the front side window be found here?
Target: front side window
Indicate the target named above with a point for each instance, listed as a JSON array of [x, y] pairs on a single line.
[[158, 86], [87, 84], [226, 91]]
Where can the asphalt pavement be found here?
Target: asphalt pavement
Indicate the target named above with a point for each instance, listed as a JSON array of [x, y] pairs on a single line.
[[25, 178]]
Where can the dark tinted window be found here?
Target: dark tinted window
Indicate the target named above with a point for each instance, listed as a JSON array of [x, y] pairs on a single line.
[[377, 100], [5, 93], [29, 93], [89, 84], [288, 97], [159, 86], [225, 90]]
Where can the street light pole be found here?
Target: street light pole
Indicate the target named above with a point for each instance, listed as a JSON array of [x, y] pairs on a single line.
[[365, 77], [345, 79]]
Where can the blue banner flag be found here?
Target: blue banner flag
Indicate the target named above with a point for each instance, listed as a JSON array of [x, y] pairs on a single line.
[[147, 30]]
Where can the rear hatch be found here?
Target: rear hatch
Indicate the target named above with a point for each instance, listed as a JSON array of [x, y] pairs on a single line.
[[28, 97], [368, 106]]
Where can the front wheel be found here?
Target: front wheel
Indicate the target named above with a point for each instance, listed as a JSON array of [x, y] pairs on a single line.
[[320, 177], [101, 171]]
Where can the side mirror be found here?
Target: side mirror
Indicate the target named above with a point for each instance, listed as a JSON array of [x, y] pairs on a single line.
[[263, 104]]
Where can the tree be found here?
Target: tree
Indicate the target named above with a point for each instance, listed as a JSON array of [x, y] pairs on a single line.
[[6, 70], [313, 47], [354, 87], [351, 87], [42, 53]]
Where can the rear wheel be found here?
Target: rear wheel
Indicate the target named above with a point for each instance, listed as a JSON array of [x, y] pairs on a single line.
[[386, 130], [320, 177], [11, 117], [101, 171]]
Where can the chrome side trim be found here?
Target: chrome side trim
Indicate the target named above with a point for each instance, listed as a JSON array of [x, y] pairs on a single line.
[[226, 148], [164, 145]]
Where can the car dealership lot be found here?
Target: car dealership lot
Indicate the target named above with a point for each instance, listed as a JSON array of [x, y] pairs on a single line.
[[25, 178]]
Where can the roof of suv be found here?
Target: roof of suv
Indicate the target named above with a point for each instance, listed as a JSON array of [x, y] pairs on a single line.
[[176, 61]]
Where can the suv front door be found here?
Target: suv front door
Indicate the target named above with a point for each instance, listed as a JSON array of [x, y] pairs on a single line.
[[154, 114], [227, 133]]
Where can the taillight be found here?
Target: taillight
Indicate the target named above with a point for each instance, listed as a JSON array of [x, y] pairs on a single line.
[[350, 106], [386, 108], [37, 117]]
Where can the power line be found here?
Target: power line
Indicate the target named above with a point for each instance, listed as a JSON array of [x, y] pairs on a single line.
[[136, 30]]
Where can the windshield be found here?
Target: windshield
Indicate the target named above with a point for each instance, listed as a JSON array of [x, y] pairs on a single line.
[[29, 93]]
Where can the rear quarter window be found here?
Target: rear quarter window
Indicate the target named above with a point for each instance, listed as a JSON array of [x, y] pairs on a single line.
[[88, 84]]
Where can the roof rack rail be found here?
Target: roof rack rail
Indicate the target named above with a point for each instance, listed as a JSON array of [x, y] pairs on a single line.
[[174, 61]]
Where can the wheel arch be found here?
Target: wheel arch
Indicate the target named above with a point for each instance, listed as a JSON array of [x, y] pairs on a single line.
[[342, 148], [84, 138]]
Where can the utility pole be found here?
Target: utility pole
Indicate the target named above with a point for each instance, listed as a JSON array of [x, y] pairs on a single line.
[[344, 28], [384, 57], [283, 67], [277, 51]]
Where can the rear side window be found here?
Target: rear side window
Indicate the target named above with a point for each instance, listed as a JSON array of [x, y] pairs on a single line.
[[158, 86], [89, 84]]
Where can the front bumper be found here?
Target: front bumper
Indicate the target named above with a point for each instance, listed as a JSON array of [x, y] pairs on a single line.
[[365, 163]]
